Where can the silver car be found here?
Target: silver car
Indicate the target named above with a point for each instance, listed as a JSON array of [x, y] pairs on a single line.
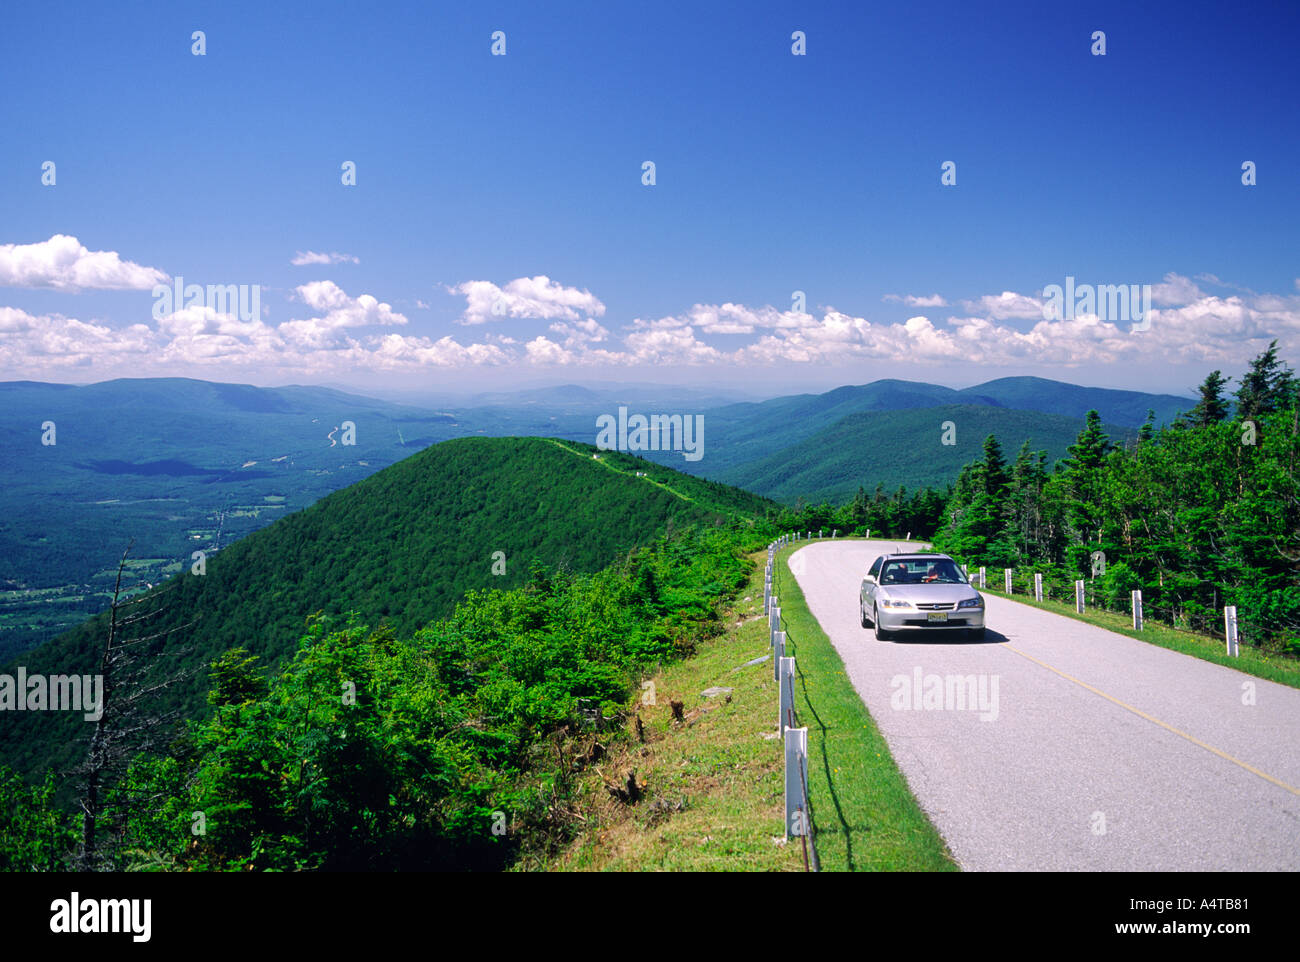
[[915, 592]]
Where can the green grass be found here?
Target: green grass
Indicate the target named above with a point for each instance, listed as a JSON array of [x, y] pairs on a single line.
[[724, 764], [1251, 661], [864, 815], [727, 767]]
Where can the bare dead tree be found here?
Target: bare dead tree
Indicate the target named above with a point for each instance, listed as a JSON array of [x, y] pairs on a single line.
[[132, 676]]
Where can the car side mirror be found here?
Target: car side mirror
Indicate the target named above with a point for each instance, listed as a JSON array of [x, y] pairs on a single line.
[[868, 578]]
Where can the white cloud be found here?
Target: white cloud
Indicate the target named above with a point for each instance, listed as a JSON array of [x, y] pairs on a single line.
[[1176, 289], [64, 264], [396, 351], [1006, 305], [338, 311], [305, 258], [577, 333], [53, 343], [913, 300], [525, 297], [345, 334], [542, 350]]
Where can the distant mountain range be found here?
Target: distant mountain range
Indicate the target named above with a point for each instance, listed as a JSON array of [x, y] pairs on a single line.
[[822, 446], [901, 448], [180, 465]]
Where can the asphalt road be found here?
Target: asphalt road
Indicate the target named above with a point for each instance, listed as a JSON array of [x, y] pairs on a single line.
[[1088, 751]]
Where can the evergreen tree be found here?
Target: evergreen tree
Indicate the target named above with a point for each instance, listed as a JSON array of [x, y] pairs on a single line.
[[1090, 448], [1211, 408], [992, 471], [1148, 429], [1082, 481], [1266, 387]]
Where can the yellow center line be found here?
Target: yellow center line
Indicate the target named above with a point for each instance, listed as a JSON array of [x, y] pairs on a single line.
[[1169, 728]]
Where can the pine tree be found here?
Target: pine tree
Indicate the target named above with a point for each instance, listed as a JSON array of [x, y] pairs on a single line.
[[858, 508], [1211, 408], [1266, 387], [1091, 447], [992, 471], [1148, 429], [1083, 476]]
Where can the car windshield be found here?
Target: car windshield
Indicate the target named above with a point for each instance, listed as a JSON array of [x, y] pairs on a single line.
[[917, 571]]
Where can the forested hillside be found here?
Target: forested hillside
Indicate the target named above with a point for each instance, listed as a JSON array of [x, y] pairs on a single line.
[[399, 548], [1202, 514], [915, 448], [452, 747]]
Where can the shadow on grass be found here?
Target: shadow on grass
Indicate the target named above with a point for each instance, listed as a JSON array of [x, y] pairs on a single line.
[[826, 767]]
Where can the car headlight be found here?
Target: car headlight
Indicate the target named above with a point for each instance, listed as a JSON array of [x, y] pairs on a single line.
[[971, 603], [886, 603]]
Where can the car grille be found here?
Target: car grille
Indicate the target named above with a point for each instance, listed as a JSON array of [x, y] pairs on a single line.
[[938, 606]]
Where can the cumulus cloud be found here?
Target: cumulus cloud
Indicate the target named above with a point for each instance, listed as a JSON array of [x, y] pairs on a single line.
[[537, 298], [913, 300], [336, 311], [1176, 289], [305, 258], [395, 351], [577, 333], [1005, 306], [52, 342], [63, 263], [341, 333]]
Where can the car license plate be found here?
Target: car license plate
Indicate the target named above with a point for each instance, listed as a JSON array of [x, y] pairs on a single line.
[[937, 616]]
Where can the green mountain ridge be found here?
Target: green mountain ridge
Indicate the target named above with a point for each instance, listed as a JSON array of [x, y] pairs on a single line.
[[741, 437], [180, 464], [401, 547], [900, 448]]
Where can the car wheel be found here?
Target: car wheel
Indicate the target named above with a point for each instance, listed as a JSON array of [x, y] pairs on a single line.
[[881, 634], [976, 633], [862, 614]]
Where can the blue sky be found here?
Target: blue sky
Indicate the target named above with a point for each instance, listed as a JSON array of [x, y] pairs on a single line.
[[516, 181]]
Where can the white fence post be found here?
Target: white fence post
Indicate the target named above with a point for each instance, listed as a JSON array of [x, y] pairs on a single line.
[[1230, 628], [1137, 609], [796, 809], [981, 577], [778, 642], [775, 623], [785, 712], [835, 533], [868, 532], [909, 536], [1038, 586], [1078, 596], [1006, 574], [965, 573]]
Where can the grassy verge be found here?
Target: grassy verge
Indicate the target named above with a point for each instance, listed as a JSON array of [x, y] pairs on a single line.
[[1251, 661], [864, 815], [712, 783]]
